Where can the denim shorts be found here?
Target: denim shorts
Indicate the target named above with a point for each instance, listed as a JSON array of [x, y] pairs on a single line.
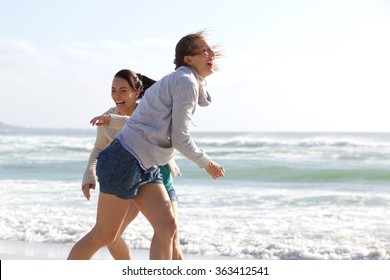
[[120, 174], [172, 195]]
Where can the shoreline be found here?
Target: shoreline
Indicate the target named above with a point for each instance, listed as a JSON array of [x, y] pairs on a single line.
[[20, 250]]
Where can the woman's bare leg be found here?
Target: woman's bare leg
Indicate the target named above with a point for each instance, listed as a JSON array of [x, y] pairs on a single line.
[[176, 249], [111, 212], [119, 248], [154, 203]]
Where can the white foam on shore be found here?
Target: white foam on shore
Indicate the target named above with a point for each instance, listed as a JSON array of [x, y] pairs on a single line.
[[18, 250], [43, 251]]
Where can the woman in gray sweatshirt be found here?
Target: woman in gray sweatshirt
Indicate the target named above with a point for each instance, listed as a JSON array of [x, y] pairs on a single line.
[[127, 168]]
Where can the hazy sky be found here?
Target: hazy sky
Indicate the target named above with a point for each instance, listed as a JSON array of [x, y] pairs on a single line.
[[288, 66]]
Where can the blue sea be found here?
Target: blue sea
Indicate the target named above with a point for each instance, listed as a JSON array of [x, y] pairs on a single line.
[[284, 196]]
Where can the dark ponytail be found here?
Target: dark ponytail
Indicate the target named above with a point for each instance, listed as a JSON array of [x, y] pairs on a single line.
[[146, 83]]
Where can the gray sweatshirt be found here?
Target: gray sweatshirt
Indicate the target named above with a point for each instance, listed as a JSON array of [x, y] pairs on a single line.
[[160, 124]]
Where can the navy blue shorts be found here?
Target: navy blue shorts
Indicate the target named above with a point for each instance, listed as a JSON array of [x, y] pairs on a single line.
[[120, 174]]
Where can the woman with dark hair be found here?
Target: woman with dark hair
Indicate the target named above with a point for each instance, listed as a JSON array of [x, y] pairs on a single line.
[[127, 168]]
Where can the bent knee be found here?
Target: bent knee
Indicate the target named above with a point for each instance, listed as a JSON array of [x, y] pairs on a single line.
[[105, 237], [167, 228], [172, 228]]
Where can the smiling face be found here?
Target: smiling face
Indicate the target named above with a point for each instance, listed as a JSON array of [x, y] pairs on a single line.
[[124, 96], [202, 58]]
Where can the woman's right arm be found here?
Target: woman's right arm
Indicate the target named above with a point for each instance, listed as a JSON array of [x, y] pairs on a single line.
[[89, 178]]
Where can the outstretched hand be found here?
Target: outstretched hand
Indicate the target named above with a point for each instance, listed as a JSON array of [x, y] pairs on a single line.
[[103, 120], [215, 170]]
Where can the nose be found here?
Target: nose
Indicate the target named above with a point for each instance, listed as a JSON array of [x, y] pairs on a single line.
[[212, 54]]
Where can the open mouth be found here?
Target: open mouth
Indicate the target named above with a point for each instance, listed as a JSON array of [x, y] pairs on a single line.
[[120, 103]]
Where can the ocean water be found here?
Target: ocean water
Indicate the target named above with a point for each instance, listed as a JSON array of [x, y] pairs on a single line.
[[284, 196]]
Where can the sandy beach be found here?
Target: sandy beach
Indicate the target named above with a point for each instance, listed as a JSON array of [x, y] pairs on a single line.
[[17, 250], [43, 261]]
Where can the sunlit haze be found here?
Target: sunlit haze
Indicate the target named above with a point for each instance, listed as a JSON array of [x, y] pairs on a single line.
[[287, 65]]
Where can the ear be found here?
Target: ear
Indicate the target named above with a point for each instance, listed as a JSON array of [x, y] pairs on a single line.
[[137, 93], [188, 60]]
